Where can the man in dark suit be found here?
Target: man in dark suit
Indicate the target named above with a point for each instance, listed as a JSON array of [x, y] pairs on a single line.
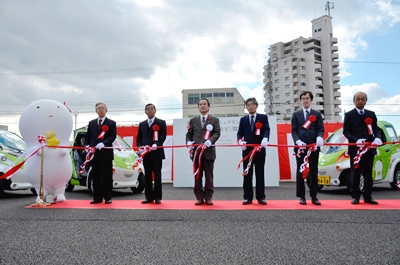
[[101, 134], [307, 128], [360, 126], [253, 129], [152, 132], [204, 129]]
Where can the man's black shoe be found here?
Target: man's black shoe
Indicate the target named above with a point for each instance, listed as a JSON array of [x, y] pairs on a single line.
[[108, 202], [147, 201], [158, 201], [302, 201], [354, 201], [246, 202], [315, 201], [371, 201], [262, 202], [95, 202]]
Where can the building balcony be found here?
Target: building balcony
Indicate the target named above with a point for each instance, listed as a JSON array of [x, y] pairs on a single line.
[[335, 64], [295, 71], [318, 82], [295, 80], [333, 40], [318, 107], [336, 94], [335, 56], [338, 110], [318, 74], [334, 48], [296, 88], [336, 78], [337, 102], [335, 71]]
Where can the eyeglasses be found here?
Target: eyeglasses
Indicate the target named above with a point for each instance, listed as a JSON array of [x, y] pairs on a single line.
[[149, 109]]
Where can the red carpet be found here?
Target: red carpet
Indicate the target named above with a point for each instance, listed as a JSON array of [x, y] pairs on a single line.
[[226, 205]]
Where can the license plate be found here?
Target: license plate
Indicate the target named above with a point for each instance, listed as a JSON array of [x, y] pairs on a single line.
[[324, 180]]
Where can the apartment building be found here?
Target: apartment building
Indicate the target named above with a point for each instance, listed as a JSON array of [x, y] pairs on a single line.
[[225, 102], [304, 64]]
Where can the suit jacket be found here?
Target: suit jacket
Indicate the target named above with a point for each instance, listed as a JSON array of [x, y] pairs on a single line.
[[196, 133], [145, 137], [249, 136], [308, 136], [108, 139], [354, 128]]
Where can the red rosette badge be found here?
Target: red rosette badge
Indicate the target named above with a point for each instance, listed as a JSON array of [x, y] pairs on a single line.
[[310, 120], [155, 129], [258, 127], [104, 129], [368, 122]]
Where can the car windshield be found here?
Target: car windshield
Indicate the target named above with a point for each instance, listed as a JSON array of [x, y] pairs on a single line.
[[11, 141], [120, 144], [335, 138]]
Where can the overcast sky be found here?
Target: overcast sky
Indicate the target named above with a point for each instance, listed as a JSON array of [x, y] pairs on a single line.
[[129, 53]]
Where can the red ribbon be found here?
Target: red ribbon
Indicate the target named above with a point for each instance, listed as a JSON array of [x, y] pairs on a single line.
[[310, 120], [360, 152], [155, 128], [8, 174], [143, 151], [89, 156], [104, 129], [303, 168], [198, 155], [250, 155]]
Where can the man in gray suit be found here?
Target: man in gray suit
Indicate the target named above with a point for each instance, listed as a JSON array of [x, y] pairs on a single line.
[[204, 130], [307, 128]]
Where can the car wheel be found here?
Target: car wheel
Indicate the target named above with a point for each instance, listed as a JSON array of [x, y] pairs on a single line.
[[69, 186], [139, 184], [396, 178], [33, 190]]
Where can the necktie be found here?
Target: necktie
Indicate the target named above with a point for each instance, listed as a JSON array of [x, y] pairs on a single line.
[[203, 120], [99, 125], [307, 114], [361, 112], [149, 122], [252, 123]]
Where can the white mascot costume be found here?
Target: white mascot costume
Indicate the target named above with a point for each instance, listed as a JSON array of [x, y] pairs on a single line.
[[52, 120]]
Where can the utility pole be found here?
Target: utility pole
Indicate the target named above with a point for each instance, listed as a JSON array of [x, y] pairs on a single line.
[[329, 6]]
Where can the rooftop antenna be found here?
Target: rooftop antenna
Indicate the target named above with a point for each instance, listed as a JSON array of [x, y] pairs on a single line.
[[329, 6]]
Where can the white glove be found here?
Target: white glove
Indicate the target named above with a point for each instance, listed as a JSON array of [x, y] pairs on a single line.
[[301, 144], [360, 142], [190, 145], [242, 144], [264, 142], [320, 141], [207, 143], [153, 147], [377, 142], [99, 146]]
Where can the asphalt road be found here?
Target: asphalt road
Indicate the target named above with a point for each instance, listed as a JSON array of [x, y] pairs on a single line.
[[88, 236]]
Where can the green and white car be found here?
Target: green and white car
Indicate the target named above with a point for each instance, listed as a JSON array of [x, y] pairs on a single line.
[[334, 162], [123, 174], [11, 147]]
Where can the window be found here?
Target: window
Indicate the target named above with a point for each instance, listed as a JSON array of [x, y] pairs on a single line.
[[276, 73], [303, 76], [287, 102], [276, 81], [193, 98], [230, 97], [277, 104], [277, 96], [286, 78], [287, 110], [274, 48], [297, 50], [302, 67], [287, 86], [286, 62], [276, 88], [287, 94], [302, 59], [218, 98], [296, 42], [206, 95], [286, 70], [302, 84]]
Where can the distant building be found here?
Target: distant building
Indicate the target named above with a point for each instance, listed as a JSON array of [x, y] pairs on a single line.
[[304, 64], [4, 127], [225, 102]]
